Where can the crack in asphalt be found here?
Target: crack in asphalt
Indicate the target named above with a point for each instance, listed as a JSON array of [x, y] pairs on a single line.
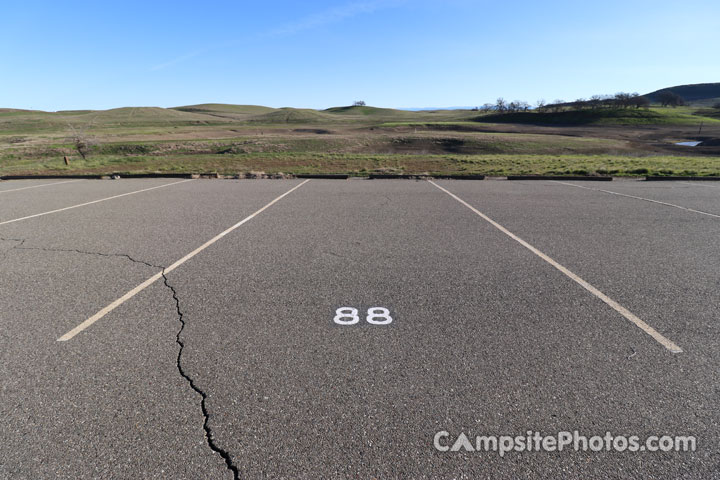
[[83, 252], [208, 431], [20, 241]]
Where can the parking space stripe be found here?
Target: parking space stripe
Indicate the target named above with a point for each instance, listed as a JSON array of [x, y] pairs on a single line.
[[169, 269], [701, 185], [640, 198], [38, 186], [90, 203], [668, 344]]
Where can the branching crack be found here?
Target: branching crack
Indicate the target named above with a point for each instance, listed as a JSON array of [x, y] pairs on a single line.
[[19, 241], [83, 252], [208, 431]]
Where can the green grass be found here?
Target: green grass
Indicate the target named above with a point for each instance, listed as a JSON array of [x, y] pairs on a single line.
[[293, 116], [357, 140], [696, 94], [225, 108], [118, 118], [450, 125], [364, 110], [362, 164], [13, 122], [652, 116], [408, 143]]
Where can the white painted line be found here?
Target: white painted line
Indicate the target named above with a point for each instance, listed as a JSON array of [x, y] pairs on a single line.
[[110, 308], [640, 198], [90, 203], [701, 185], [609, 301], [169, 269], [38, 186]]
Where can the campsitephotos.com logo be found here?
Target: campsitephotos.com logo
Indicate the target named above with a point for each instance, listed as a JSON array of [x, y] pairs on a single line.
[[562, 441]]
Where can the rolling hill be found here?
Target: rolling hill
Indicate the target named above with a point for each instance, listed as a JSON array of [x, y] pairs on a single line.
[[225, 108], [699, 94], [18, 121], [618, 116], [363, 110], [292, 115]]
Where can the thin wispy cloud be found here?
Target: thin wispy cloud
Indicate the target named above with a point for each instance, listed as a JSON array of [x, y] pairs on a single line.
[[332, 15], [310, 22], [170, 63]]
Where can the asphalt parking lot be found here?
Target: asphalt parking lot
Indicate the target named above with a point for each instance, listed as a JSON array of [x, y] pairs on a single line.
[[165, 328]]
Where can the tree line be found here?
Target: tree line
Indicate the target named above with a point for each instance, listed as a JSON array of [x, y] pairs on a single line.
[[619, 100]]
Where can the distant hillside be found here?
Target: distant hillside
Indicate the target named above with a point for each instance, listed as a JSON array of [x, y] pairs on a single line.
[[700, 94], [361, 110], [18, 121], [225, 108], [16, 110], [367, 113], [292, 115], [620, 116]]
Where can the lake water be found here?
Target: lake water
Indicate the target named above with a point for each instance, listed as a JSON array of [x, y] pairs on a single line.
[[688, 144]]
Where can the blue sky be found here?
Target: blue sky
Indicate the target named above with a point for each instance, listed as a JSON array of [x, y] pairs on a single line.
[[317, 54]]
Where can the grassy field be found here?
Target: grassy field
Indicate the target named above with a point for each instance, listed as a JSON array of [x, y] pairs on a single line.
[[651, 116], [364, 164], [234, 139]]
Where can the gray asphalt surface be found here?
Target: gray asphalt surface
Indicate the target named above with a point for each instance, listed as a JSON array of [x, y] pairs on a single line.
[[487, 338]]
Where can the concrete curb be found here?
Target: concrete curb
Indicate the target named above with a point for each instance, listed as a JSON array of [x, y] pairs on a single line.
[[333, 176], [49, 177], [559, 177], [459, 177], [384, 176], [95, 176], [151, 175], [675, 178], [326, 176]]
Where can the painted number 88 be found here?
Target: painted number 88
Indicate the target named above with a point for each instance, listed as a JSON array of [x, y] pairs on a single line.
[[375, 316]]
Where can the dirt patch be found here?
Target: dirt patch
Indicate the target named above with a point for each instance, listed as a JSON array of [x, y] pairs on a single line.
[[317, 131], [429, 145]]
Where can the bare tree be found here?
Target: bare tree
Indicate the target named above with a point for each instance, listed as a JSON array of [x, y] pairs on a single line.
[[557, 105], [500, 105], [83, 146], [669, 98], [623, 99], [638, 101], [82, 142], [595, 102], [359, 103], [579, 104], [488, 107]]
